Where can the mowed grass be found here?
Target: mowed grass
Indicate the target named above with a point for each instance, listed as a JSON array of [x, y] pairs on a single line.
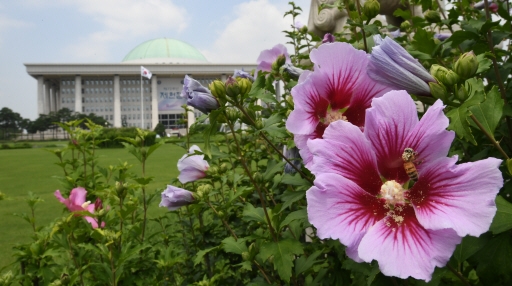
[[32, 170]]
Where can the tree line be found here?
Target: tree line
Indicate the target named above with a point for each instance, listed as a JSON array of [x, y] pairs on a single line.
[[12, 123]]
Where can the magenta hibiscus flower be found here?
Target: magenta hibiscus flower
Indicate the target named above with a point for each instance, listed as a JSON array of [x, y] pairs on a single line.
[[359, 195], [192, 166], [337, 89], [76, 203]]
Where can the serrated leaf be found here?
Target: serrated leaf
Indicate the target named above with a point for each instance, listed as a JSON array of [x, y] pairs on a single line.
[[503, 219], [495, 261], [489, 111], [272, 169], [302, 264], [201, 253], [460, 124], [296, 215], [231, 245], [283, 252], [254, 214], [289, 197], [294, 180], [276, 130], [483, 63], [424, 42]]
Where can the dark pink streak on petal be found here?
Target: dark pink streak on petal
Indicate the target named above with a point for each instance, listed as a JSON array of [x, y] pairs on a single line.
[[388, 123], [340, 209], [345, 151], [460, 197], [407, 249], [366, 90]]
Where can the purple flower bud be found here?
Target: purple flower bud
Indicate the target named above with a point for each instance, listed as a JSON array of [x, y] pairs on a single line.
[[198, 96], [173, 198], [442, 36], [395, 34], [243, 74], [293, 155], [293, 71], [392, 65], [328, 38], [298, 25]]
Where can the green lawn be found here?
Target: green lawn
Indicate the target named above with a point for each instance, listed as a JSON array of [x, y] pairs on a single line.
[[32, 170]]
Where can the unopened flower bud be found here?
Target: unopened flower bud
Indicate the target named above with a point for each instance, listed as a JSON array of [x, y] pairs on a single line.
[[467, 65], [371, 8], [281, 59], [432, 16], [212, 171], [246, 256], [232, 88], [218, 90], [292, 71], [304, 29], [438, 90], [223, 168], [258, 178], [244, 85], [462, 94], [444, 75], [98, 205], [405, 26], [289, 99], [259, 124], [233, 114]]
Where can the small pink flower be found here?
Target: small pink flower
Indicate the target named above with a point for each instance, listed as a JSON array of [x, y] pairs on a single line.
[[76, 203], [192, 167]]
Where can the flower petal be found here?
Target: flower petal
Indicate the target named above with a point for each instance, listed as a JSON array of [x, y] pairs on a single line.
[[367, 89], [190, 174], [340, 209], [429, 138], [388, 123], [460, 197], [345, 151], [77, 196], [305, 153], [408, 249]]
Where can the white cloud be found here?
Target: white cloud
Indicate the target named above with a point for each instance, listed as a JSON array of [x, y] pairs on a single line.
[[257, 26], [123, 19]]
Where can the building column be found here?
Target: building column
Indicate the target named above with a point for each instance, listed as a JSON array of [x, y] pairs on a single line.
[[78, 93], [47, 99], [223, 77], [117, 102], [154, 101], [58, 98], [40, 95], [53, 99]]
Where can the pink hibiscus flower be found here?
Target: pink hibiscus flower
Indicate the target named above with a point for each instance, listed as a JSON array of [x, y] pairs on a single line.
[[267, 57], [359, 195], [192, 167], [337, 89], [76, 203]]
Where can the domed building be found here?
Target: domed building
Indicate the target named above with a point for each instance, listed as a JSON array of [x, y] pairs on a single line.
[[117, 92]]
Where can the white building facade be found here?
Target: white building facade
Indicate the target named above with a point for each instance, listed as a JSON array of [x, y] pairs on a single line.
[[117, 92]]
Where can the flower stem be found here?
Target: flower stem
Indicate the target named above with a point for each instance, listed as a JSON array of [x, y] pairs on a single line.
[[489, 136], [358, 6], [248, 172], [462, 278], [223, 221]]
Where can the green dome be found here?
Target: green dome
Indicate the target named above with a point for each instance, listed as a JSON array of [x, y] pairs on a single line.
[[164, 50]]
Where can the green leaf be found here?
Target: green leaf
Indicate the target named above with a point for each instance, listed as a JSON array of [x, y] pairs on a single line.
[[469, 246], [302, 264], [294, 180], [254, 214], [208, 133], [289, 197], [201, 253], [424, 42], [503, 219], [272, 168], [231, 245], [296, 215], [460, 36], [495, 261], [367, 269], [509, 166], [406, 14], [276, 131], [283, 252], [489, 111], [483, 63], [275, 118]]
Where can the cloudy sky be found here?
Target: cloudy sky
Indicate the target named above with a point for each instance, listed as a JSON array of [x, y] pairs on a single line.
[[104, 31]]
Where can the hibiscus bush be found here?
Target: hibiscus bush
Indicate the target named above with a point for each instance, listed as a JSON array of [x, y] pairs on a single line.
[[376, 156]]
